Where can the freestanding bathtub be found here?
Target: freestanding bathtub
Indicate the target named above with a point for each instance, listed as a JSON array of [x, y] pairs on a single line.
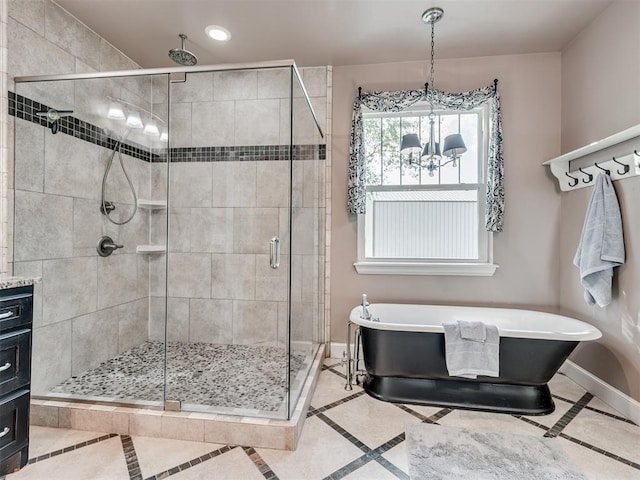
[[404, 356]]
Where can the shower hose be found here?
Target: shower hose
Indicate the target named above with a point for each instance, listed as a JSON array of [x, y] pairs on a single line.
[[117, 149]]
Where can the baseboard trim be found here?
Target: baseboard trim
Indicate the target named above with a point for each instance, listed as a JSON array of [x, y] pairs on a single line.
[[338, 350], [623, 403]]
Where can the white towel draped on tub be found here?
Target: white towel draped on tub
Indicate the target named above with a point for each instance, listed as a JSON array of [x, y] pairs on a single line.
[[601, 244], [477, 354]]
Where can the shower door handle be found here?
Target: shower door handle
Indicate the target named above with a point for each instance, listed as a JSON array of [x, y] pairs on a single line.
[[275, 252]]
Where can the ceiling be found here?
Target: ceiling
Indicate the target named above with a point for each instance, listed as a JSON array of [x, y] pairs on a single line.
[[333, 32]]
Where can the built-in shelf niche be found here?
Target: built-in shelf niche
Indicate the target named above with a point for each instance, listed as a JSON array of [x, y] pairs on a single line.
[[150, 249], [152, 204], [561, 166]]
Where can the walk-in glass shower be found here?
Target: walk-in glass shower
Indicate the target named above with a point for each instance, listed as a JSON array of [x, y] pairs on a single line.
[[176, 219]]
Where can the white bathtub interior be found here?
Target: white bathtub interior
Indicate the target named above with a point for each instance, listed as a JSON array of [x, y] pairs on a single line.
[[510, 322]]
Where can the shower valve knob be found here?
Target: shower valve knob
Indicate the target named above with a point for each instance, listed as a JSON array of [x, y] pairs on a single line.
[[106, 246]]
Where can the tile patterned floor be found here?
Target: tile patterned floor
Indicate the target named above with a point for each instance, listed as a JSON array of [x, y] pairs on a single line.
[[347, 435]]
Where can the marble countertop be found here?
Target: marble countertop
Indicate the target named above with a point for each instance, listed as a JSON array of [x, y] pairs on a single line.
[[13, 282]]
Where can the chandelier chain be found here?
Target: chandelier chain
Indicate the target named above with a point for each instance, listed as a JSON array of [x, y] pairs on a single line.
[[431, 166], [432, 54]]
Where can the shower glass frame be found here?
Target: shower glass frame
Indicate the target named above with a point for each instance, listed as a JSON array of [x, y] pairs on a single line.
[[297, 90]]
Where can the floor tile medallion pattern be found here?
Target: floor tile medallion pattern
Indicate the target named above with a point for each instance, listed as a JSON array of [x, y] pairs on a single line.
[[347, 435]]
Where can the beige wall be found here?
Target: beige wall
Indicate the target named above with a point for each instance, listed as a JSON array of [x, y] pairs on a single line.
[[527, 250], [601, 96]]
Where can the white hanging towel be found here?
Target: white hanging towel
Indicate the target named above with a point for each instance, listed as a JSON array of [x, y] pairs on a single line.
[[601, 245]]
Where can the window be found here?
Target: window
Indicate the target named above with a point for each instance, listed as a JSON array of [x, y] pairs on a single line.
[[419, 222]]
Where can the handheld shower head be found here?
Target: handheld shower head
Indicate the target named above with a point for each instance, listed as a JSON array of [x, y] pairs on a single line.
[[181, 55]]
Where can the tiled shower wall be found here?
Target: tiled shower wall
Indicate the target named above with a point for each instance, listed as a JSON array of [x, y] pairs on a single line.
[[87, 308], [70, 332], [225, 207]]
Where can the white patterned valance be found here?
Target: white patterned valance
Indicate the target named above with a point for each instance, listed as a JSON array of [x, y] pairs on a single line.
[[396, 101]]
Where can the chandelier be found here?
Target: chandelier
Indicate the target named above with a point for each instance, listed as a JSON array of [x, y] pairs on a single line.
[[454, 147]]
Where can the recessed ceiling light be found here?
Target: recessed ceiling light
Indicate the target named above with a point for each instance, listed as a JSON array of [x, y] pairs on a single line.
[[218, 33]]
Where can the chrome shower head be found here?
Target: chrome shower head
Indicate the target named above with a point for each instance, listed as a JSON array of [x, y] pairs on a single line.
[[181, 55]]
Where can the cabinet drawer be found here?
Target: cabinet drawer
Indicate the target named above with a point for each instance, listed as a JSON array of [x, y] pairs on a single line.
[[14, 422], [16, 307], [15, 364]]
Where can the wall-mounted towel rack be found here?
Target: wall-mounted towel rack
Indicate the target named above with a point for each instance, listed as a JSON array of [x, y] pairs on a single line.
[[618, 167]]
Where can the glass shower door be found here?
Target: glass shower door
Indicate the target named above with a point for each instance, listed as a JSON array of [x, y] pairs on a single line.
[[228, 260]]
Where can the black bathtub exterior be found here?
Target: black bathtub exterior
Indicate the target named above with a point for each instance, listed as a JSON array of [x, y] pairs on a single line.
[[410, 367]]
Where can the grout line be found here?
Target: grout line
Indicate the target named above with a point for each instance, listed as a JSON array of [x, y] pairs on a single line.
[[344, 433], [372, 455], [130, 456], [561, 424], [258, 461], [55, 453], [327, 366], [582, 443], [410, 411], [333, 370], [375, 454], [601, 451], [191, 463], [564, 399], [392, 468], [314, 411], [531, 422], [597, 410], [438, 415], [349, 468], [610, 415]]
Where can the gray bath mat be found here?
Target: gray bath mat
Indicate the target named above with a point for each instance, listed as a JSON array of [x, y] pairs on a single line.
[[439, 452]]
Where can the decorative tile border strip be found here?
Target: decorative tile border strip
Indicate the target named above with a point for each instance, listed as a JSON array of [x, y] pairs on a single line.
[[392, 468], [191, 463], [257, 460], [27, 109], [560, 425], [344, 433], [248, 153], [610, 415], [70, 448], [333, 370], [601, 451], [531, 422], [597, 410], [130, 456], [314, 411], [554, 431], [369, 453]]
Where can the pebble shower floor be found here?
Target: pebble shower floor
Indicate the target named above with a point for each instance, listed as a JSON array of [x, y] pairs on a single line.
[[228, 376]]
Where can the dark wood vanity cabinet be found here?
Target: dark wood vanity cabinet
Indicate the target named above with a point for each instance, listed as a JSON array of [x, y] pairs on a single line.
[[16, 317]]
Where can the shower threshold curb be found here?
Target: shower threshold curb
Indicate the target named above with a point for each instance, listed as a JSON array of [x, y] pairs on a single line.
[[191, 426]]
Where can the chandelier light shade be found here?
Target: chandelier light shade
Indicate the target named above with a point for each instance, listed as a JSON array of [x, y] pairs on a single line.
[[454, 145], [426, 151], [410, 143]]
